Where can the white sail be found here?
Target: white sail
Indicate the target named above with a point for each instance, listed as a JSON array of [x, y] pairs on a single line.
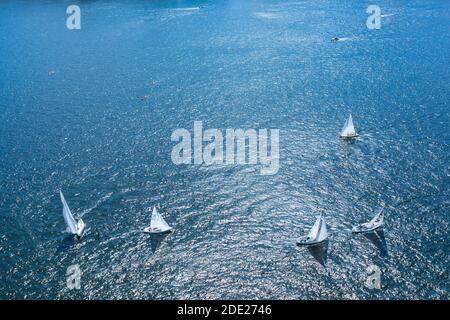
[[68, 217], [315, 228], [349, 129], [323, 232], [376, 222], [157, 223], [73, 226], [378, 219], [318, 232]]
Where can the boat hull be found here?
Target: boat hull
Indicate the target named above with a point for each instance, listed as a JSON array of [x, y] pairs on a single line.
[[81, 228], [359, 229], [304, 242], [349, 137], [156, 231]]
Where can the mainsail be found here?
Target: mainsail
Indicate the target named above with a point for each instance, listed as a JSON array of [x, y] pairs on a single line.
[[349, 129], [158, 223], [378, 219], [323, 232], [68, 216], [318, 232]]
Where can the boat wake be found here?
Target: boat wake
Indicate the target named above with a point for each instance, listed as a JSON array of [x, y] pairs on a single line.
[[268, 15], [186, 9], [346, 39], [99, 202]]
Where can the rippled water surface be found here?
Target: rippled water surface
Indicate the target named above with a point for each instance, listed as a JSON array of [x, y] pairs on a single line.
[[72, 117]]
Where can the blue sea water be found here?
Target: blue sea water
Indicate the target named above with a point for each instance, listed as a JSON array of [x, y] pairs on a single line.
[[71, 118]]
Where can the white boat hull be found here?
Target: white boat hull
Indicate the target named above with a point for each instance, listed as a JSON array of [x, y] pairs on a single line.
[[156, 230], [349, 137], [81, 227], [303, 241], [362, 229]]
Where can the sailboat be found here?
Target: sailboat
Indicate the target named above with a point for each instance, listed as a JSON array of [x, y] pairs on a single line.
[[157, 224], [373, 224], [75, 225], [317, 234], [349, 129]]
